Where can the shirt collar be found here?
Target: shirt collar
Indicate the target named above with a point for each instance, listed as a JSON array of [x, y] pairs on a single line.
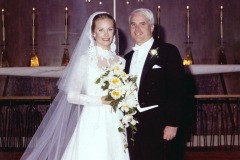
[[145, 45]]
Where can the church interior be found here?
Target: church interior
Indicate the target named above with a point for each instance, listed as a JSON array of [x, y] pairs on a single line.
[[38, 37]]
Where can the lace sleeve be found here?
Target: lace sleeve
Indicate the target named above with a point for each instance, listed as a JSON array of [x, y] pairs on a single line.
[[76, 98]]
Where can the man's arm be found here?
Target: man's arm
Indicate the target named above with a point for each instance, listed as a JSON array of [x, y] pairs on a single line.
[[175, 92]]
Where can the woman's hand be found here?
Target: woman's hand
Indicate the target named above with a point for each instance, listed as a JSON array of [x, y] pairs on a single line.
[[104, 101]]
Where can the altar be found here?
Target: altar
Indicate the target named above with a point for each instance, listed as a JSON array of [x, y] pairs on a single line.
[[56, 71]]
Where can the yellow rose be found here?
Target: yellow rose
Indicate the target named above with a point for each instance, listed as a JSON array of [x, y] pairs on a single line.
[[115, 94], [115, 81]]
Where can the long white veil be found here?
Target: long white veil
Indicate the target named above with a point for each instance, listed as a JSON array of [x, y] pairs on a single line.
[[52, 136]]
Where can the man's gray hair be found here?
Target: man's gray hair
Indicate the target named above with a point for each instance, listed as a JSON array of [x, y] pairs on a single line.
[[146, 12]]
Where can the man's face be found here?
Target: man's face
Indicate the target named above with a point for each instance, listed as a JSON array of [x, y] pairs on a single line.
[[140, 29]]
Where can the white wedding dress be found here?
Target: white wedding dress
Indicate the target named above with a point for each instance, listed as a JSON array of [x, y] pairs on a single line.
[[96, 135]]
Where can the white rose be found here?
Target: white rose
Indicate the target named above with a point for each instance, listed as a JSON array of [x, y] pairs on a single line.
[[126, 119], [131, 101], [153, 52], [129, 119], [134, 122], [124, 106]]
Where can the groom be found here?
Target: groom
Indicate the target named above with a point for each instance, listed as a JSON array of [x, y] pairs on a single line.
[[160, 73]]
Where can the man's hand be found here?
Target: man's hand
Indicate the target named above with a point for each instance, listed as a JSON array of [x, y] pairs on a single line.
[[169, 132]]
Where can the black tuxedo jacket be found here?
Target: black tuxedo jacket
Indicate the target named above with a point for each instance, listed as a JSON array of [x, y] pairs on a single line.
[[162, 86]]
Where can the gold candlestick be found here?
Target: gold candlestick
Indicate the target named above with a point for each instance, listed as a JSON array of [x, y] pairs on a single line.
[[4, 59], [34, 59], [187, 60], [34, 62], [222, 56], [65, 58]]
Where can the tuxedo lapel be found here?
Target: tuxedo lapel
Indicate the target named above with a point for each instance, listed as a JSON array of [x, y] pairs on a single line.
[[150, 60], [128, 62]]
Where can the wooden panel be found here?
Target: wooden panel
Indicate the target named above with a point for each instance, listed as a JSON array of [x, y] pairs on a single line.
[[188, 155], [212, 155], [10, 155]]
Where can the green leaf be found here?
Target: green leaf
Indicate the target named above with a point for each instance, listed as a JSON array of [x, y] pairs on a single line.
[[109, 98], [132, 139], [98, 80], [114, 105], [106, 73], [134, 128], [120, 129], [105, 86], [133, 79]]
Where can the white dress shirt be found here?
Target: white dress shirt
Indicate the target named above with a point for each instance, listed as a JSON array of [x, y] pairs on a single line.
[[137, 63]]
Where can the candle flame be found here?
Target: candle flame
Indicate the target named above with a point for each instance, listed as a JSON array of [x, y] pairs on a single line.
[[159, 7], [221, 7], [187, 7], [66, 8], [2, 10], [33, 9]]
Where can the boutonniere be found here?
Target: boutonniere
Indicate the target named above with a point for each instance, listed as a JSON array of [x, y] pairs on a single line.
[[153, 52]]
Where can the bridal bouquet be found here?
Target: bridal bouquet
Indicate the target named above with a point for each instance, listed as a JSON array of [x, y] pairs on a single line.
[[121, 87]]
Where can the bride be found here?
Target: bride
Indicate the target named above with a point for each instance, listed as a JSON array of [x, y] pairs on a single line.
[[80, 124]]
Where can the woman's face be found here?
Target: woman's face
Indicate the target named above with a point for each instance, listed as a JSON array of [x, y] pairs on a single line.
[[103, 33]]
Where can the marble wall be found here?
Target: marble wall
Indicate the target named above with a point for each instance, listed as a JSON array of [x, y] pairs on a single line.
[[50, 14]]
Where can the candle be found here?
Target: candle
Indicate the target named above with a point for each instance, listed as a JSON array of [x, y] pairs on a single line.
[[3, 25], [33, 23], [188, 22], [114, 9], [158, 20], [221, 22], [66, 23]]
